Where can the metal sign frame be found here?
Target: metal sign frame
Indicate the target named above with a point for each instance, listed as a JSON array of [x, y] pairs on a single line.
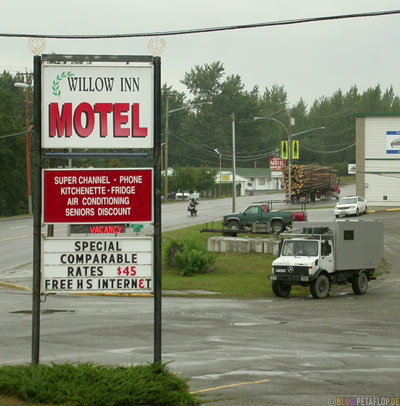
[[37, 184]]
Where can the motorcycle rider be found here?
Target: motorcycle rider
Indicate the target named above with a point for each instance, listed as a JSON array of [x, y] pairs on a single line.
[[193, 202]]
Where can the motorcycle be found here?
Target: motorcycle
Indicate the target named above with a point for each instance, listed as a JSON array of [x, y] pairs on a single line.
[[192, 208]]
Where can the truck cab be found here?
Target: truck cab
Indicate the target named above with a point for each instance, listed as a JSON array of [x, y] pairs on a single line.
[[300, 259]]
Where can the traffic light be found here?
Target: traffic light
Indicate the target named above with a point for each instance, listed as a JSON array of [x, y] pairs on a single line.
[[295, 149], [284, 150]]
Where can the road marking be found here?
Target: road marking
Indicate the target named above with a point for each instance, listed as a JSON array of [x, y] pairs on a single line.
[[16, 238], [12, 360], [12, 228], [229, 386], [26, 236], [183, 210]]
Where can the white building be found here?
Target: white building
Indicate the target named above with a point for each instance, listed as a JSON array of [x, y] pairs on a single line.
[[251, 180], [378, 158]]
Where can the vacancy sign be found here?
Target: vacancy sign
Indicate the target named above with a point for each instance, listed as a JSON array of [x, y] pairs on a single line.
[[97, 106], [97, 265], [102, 196]]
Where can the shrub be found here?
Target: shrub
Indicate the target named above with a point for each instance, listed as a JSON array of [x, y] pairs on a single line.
[[100, 385], [188, 257]]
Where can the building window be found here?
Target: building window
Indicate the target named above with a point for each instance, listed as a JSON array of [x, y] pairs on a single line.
[[261, 181]]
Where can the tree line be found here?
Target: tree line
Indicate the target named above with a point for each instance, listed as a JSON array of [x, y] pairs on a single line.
[[203, 122]]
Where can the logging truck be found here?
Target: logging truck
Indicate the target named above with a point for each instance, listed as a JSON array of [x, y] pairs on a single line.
[[323, 254], [310, 183]]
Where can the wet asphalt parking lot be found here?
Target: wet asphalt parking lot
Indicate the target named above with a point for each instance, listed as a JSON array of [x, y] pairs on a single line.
[[273, 351]]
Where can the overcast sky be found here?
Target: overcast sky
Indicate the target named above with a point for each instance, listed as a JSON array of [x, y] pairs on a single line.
[[310, 60]]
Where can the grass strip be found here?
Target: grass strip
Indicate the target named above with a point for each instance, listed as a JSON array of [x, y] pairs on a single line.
[[243, 276]]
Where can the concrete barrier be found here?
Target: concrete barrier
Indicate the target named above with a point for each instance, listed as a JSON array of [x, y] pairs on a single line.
[[243, 245]]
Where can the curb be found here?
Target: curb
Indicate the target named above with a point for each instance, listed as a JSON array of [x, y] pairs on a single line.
[[387, 210]]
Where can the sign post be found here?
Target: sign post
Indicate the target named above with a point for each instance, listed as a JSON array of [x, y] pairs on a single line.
[[37, 209]]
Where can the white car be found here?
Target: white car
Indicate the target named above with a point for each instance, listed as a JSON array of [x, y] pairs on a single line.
[[187, 196], [182, 196], [351, 205]]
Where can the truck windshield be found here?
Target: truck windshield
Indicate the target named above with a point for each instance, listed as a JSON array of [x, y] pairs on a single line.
[[300, 248]]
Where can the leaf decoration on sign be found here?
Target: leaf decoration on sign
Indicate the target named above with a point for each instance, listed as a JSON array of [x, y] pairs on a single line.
[[56, 83]]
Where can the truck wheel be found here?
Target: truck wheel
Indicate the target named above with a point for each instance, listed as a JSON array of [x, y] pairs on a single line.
[[320, 287], [277, 226], [360, 283], [281, 289], [233, 225]]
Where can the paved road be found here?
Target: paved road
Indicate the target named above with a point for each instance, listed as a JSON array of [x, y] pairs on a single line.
[[296, 351], [16, 234]]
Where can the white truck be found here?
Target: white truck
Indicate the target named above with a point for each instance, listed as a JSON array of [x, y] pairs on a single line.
[[323, 254]]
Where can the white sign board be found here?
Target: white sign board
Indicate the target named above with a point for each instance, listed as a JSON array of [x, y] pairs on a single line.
[[97, 106], [98, 265], [392, 142], [351, 169]]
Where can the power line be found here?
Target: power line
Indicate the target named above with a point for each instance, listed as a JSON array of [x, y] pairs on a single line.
[[13, 135], [329, 152], [206, 30]]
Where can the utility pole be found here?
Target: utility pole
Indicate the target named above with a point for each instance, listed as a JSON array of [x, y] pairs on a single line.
[[166, 151], [220, 170], [220, 174], [26, 85], [290, 158], [233, 165]]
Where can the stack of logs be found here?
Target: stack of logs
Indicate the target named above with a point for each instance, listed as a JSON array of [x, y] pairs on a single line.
[[308, 179]]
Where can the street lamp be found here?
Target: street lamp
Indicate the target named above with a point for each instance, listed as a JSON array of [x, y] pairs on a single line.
[[27, 87], [167, 113], [289, 135], [216, 150]]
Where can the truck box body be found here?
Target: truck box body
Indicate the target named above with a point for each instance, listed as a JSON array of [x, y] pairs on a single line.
[[357, 244]]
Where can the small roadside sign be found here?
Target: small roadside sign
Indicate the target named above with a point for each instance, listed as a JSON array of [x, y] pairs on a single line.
[[97, 228], [136, 228]]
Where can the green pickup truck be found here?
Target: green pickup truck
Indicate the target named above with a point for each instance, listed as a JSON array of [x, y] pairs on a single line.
[[278, 221]]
